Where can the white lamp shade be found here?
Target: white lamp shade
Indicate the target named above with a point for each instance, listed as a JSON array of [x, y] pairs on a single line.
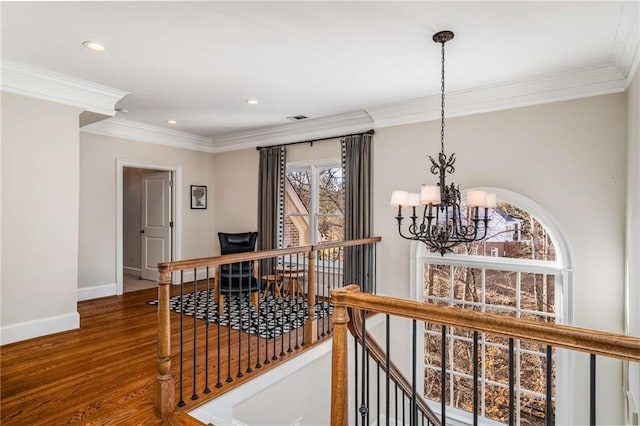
[[414, 199], [492, 201], [476, 198], [430, 194], [399, 198]]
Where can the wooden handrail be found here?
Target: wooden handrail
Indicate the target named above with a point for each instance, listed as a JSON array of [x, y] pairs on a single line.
[[257, 255], [379, 355], [164, 404], [563, 336]]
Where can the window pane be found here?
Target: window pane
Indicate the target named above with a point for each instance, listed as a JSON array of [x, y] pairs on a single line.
[[330, 228], [437, 281], [537, 292], [468, 285], [500, 288], [298, 191], [331, 191], [512, 233]]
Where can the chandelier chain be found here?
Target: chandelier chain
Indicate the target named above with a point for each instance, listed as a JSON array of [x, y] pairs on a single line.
[[442, 103]]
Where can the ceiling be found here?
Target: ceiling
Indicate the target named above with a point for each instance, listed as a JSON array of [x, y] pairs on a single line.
[[197, 62]]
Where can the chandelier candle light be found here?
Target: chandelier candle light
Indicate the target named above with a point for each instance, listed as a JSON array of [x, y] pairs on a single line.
[[444, 222]]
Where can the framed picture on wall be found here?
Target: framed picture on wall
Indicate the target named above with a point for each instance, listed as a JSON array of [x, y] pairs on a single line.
[[198, 197]]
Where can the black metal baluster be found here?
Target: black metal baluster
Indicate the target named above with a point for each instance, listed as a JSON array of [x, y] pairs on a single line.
[[275, 320], [512, 378], [475, 378], [260, 282], [368, 394], [387, 366], [251, 307], [228, 313], [194, 395], [241, 301], [331, 284], [219, 338], [403, 413], [592, 390], [363, 407], [291, 325], [414, 378], [377, 393], [396, 403], [355, 357], [443, 372], [181, 403], [325, 280], [206, 389], [299, 306], [549, 386]]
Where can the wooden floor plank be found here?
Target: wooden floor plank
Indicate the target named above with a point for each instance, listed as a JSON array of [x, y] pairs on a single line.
[[103, 373]]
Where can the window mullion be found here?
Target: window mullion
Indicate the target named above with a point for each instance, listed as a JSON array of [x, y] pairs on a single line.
[[313, 214]]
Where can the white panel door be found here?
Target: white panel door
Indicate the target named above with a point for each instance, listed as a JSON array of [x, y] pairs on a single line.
[[156, 218]]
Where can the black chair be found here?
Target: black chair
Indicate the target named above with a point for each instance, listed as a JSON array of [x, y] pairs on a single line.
[[237, 278]]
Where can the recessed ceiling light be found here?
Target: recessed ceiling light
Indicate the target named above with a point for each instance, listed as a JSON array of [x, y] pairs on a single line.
[[172, 122], [252, 102], [93, 45]]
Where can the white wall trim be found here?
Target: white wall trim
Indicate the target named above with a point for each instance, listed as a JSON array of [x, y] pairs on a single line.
[[626, 52], [39, 327], [176, 208], [141, 132], [27, 80], [132, 269], [599, 80], [309, 129], [602, 79], [95, 292]]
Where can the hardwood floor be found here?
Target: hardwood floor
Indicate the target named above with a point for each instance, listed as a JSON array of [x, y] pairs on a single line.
[[103, 373]]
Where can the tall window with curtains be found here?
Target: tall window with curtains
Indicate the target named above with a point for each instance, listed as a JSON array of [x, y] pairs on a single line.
[[314, 204]]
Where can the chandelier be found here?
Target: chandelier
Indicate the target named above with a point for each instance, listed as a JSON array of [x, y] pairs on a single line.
[[445, 221]]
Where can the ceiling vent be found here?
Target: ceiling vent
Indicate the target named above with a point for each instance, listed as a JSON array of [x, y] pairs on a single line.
[[297, 117]]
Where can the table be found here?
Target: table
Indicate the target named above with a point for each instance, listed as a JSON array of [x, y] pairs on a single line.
[[293, 274]]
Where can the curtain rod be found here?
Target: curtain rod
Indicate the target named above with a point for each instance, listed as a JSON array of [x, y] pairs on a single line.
[[369, 132]]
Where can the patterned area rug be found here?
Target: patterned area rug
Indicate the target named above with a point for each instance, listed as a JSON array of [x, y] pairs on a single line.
[[276, 316]]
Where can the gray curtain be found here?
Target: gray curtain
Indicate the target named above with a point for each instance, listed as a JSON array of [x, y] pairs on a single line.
[[356, 162], [271, 202]]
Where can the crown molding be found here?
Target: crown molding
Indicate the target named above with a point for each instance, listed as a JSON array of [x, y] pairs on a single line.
[[592, 81], [141, 132], [626, 51], [308, 129], [27, 80]]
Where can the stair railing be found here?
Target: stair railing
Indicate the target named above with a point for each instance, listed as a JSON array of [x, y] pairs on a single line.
[[306, 273], [350, 299]]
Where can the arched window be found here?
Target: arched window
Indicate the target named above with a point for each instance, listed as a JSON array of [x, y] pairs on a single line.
[[520, 270]]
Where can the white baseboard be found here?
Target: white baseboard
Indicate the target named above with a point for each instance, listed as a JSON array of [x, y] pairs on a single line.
[[131, 270], [105, 290], [39, 327]]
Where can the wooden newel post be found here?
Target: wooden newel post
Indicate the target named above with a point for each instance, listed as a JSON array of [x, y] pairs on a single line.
[[311, 323], [339, 386], [163, 389]]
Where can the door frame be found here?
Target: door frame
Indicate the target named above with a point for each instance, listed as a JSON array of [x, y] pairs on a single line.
[[176, 209]]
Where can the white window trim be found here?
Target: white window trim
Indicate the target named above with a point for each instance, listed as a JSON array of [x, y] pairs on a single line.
[[562, 266]]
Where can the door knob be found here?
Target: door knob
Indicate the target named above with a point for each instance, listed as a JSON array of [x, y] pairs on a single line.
[[142, 231]]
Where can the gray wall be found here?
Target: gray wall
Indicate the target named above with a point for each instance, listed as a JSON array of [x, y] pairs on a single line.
[[569, 157], [40, 176], [97, 236]]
